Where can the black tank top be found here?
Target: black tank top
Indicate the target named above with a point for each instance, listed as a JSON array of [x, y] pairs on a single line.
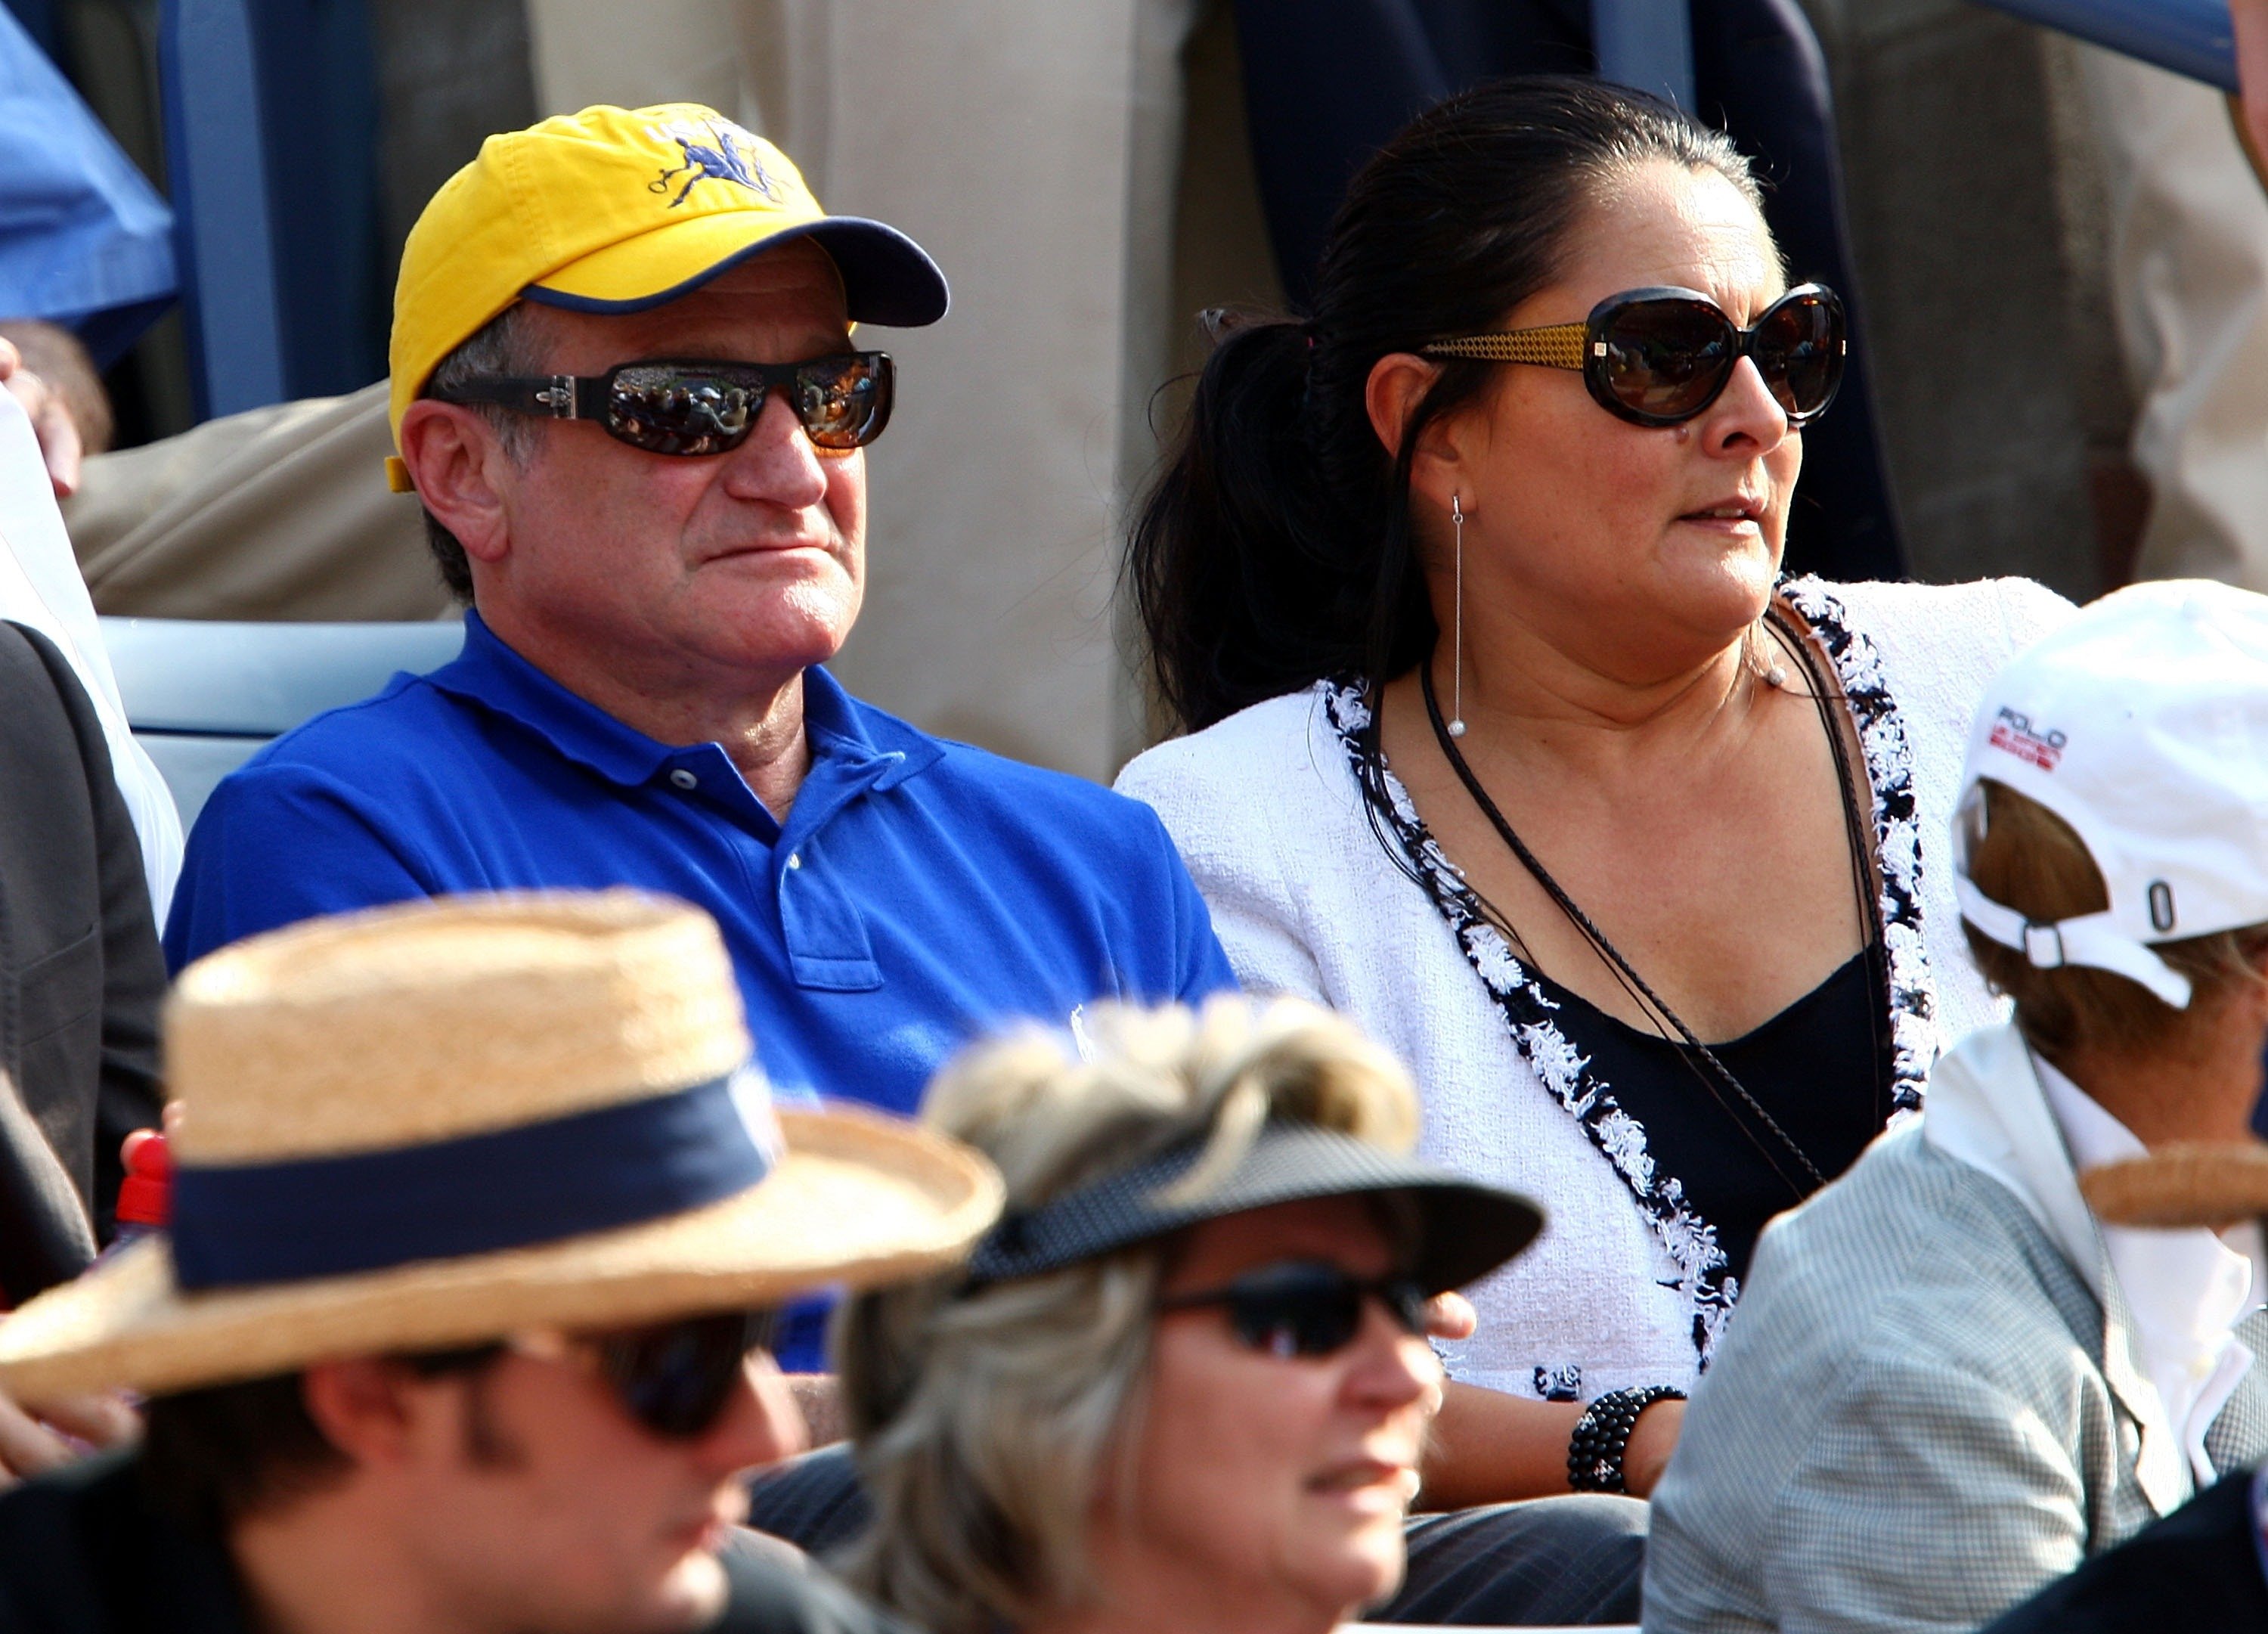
[[1817, 1067]]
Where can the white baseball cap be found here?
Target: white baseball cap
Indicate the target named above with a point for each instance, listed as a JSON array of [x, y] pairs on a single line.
[[2142, 723]]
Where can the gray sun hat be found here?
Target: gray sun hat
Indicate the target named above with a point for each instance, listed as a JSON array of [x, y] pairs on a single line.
[[1466, 1229]]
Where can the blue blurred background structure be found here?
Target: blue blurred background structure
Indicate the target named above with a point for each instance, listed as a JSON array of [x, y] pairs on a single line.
[[2191, 37], [271, 137]]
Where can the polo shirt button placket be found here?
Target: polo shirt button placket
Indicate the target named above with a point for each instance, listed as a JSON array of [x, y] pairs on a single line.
[[684, 779]]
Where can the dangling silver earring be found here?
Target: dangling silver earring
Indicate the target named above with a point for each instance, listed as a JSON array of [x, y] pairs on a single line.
[[1457, 639]]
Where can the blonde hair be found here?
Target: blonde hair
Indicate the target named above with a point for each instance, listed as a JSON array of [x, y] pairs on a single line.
[[983, 1417], [2022, 855]]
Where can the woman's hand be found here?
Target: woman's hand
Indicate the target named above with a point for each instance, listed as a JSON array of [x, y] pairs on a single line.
[[1450, 1316]]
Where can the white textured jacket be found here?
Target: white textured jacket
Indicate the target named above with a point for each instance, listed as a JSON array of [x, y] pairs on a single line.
[[1627, 1286]]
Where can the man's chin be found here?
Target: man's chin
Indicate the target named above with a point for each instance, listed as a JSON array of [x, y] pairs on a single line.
[[802, 625]]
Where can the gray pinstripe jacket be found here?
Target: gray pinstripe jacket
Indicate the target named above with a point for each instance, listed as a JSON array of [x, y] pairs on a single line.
[[1921, 1415]]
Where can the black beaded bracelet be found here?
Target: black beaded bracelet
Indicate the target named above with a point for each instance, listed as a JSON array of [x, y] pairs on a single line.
[[1594, 1451]]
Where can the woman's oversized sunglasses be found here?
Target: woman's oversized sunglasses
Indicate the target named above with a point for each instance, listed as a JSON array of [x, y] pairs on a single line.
[[1661, 356], [702, 406], [1306, 1307]]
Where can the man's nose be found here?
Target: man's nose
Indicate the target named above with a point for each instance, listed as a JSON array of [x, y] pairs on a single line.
[[759, 1425], [777, 465]]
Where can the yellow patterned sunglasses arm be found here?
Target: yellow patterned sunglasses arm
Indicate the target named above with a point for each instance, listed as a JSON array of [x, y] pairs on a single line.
[[1560, 346]]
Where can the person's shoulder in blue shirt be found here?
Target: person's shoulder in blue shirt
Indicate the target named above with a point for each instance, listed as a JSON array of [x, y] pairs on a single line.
[[920, 891]]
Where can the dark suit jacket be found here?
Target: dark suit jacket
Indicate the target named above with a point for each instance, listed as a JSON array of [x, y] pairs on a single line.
[[2198, 1570], [80, 973]]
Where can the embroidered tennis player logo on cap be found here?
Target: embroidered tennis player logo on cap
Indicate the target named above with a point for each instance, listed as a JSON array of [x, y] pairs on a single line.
[[713, 154], [2015, 734]]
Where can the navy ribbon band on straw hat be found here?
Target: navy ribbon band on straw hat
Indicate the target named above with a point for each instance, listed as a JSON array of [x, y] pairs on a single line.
[[243, 1224]]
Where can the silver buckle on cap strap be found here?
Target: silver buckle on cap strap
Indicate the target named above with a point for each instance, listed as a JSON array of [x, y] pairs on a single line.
[[2092, 940], [2043, 945]]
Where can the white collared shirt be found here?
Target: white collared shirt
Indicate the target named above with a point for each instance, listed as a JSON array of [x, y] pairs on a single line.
[[2187, 1289]]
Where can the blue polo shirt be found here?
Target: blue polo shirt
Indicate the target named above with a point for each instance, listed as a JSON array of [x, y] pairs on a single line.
[[920, 893]]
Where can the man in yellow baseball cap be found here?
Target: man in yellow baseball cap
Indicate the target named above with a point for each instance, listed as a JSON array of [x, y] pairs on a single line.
[[627, 395], [615, 210]]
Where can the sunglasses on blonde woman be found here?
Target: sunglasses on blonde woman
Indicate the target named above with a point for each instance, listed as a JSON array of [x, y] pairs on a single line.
[[1661, 356], [1306, 1307]]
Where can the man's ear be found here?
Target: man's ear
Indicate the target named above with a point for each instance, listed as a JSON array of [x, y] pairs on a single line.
[[363, 1407], [461, 471]]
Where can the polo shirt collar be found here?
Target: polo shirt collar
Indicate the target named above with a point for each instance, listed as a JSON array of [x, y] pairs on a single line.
[[857, 738], [853, 744]]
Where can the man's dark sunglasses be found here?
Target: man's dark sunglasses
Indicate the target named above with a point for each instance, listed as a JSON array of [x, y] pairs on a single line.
[[677, 1379], [702, 406], [1307, 1307], [1661, 356]]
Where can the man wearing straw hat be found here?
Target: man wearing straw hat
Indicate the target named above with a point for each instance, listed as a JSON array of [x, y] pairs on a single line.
[[1955, 1375], [627, 394], [457, 1328]]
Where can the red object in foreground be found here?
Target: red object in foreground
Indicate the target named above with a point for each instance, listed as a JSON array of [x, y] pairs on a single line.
[[145, 1196]]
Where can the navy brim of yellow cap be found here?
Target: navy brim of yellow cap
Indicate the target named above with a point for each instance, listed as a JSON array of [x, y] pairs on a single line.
[[888, 279]]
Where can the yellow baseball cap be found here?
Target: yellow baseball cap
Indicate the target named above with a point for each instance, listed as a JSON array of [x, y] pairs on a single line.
[[612, 210]]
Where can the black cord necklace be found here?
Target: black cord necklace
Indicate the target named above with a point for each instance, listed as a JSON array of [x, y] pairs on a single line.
[[1714, 1075]]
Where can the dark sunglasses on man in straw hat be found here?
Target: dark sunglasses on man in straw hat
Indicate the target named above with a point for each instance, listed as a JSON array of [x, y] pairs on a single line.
[[677, 1378]]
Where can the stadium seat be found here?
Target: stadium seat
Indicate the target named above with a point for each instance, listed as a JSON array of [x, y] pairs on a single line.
[[201, 696]]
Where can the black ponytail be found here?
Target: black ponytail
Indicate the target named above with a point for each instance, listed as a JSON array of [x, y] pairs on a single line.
[[1274, 548]]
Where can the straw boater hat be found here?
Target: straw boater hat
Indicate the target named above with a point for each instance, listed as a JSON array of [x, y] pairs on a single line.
[[441, 1123]]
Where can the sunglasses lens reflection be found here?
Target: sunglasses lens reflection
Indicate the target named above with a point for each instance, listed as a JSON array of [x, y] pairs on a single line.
[[1288, 1323], [1667, 358], [841, 401], [686, 409], [668, 409], [1799, 350]]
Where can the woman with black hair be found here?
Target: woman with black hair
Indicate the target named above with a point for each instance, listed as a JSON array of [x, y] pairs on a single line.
[[1507, 740]]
